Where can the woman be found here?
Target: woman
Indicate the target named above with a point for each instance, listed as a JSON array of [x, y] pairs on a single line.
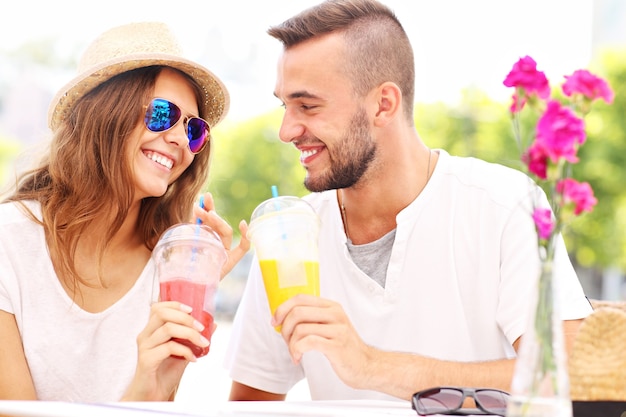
[[129, 156]]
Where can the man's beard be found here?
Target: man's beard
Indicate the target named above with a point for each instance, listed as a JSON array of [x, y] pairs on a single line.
[[353, 156]]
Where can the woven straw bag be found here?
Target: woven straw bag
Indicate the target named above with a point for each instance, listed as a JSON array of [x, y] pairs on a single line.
[[597, 304], [597, 364]]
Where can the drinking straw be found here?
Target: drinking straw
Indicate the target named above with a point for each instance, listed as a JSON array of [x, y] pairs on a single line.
[[277, 207], [274, 195], [198, 221]]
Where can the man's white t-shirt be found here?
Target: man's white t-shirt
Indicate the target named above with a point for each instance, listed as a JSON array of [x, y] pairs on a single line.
[[73, 355], [459, 286]]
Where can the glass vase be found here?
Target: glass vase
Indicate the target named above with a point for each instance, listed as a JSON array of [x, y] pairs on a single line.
[[540, 386]]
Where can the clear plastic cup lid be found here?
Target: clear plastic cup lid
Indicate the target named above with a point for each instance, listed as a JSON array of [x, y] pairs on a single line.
[[282, 204], [190, 232]]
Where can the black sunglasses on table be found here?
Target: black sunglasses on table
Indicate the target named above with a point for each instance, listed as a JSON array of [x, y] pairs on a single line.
[[449, 400]]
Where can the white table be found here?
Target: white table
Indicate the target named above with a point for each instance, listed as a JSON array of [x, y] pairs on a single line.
[[364, 408]]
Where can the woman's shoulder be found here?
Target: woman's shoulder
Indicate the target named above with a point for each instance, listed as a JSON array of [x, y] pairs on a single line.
[[12, 212]]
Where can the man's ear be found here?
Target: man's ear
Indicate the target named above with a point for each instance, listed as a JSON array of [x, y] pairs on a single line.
[[389, 101]]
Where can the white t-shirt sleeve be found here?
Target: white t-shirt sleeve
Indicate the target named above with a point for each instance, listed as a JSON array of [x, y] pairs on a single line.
[[520, 254]]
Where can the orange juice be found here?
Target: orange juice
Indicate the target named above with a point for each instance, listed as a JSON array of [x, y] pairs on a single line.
[[283, 279]]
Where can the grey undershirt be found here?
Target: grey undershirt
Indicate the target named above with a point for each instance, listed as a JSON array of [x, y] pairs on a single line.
[[373, 258]]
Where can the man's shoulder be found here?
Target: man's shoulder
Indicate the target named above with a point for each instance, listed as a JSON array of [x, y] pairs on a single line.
[[478, 172], [477, 165], [472, 177], [320, 201]]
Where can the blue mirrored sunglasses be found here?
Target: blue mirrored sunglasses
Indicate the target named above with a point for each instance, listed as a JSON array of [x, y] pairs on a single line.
[[162, 115]]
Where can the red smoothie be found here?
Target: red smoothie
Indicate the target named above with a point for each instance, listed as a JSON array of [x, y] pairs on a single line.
[[191, 294]]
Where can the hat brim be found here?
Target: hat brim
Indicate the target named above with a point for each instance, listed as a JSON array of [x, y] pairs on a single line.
[[216, 103]]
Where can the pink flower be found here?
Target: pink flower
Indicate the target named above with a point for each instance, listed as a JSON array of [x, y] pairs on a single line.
[[525, 77], [580, 194], [537, 160], [585, 83], [543, 222], [518, 103], [560, 132]]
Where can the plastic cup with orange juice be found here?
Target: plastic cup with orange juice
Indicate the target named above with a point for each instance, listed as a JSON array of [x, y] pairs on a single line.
[[284, 232]]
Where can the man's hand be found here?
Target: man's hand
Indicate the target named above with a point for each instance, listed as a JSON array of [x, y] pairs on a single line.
[[313, 323]]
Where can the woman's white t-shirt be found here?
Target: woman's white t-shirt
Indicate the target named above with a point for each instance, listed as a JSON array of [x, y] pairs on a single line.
[[73, 355]]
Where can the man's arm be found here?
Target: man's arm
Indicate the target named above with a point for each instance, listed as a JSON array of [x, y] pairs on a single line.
[[402, 375], [310, 323], [241, 392]]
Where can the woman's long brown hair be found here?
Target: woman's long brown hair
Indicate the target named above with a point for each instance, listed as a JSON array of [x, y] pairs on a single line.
[[86, 176]]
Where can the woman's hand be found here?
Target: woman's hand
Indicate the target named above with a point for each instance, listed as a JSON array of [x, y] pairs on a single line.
[[162, 361], [209, 217]]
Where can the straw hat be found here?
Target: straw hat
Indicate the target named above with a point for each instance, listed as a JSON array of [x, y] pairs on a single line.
[[597, 364], [132, 46]]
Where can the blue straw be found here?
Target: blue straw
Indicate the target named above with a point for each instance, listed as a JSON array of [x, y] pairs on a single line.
[[198, 221], [274, 195]]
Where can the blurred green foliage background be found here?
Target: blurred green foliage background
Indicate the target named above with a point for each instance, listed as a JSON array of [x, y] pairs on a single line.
[[248, 158]]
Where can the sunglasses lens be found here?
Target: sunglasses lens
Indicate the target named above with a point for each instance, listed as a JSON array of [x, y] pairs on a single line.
[[197, 132], [161, 115], [438, 400], [492, 401]]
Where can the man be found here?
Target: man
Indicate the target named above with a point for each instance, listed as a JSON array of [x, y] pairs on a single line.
[[428, 262]]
